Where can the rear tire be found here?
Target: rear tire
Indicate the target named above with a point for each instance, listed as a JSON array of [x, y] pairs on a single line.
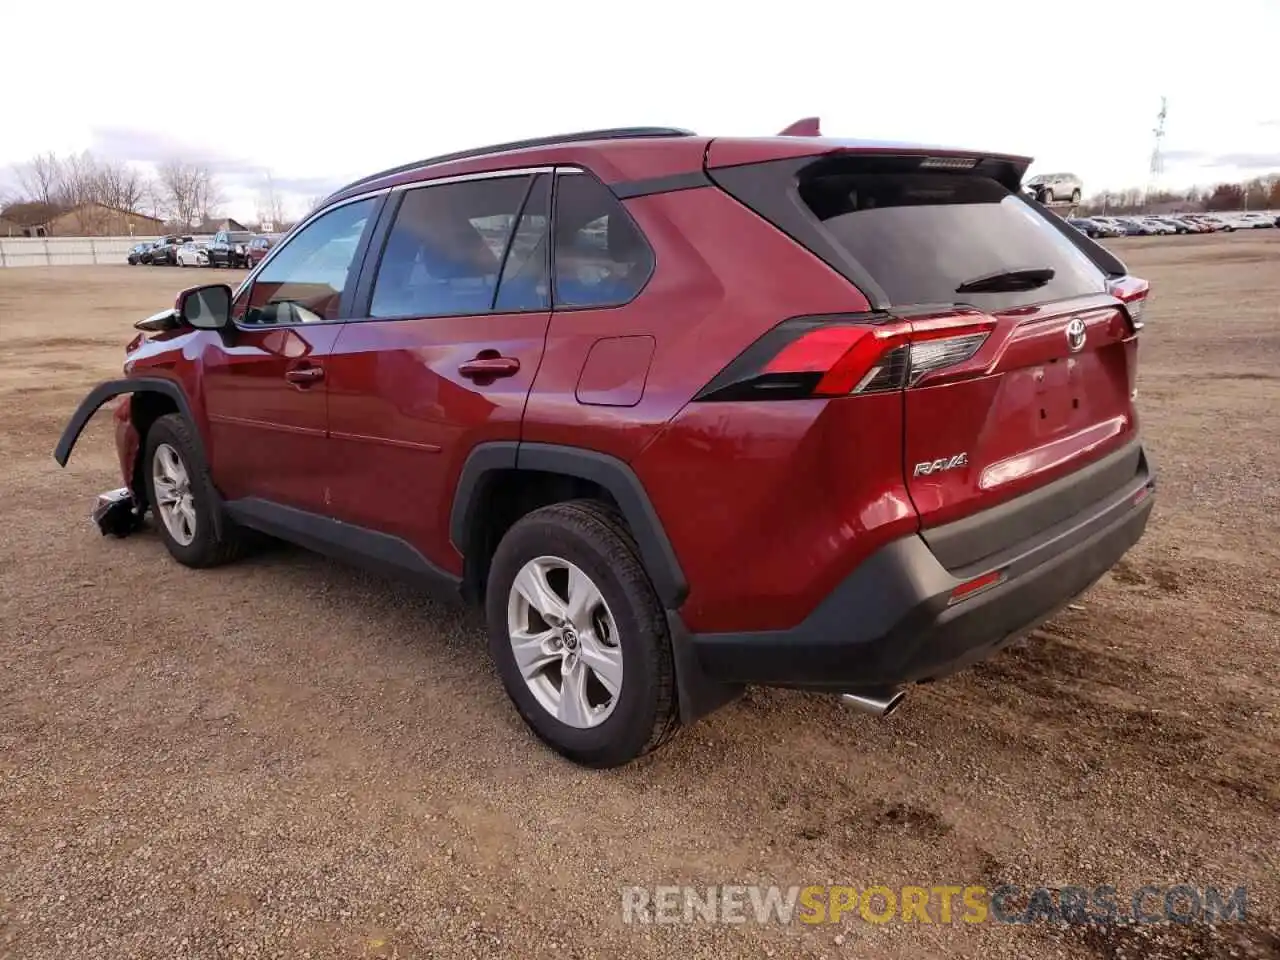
[[592, 547], [183, 498], [1075, 196]]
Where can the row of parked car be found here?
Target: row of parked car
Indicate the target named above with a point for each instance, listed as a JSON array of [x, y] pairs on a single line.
[[228, 248], [1151, 226]]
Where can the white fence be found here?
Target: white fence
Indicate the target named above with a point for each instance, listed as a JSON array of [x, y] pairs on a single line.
[[65, 251]]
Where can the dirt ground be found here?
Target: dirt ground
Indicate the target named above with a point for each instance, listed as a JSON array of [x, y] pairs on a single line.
[[288, 758]]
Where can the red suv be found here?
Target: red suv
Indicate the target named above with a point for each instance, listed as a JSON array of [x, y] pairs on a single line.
[[682, 413]]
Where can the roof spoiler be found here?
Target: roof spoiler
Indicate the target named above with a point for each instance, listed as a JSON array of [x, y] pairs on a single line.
[[808, 127]]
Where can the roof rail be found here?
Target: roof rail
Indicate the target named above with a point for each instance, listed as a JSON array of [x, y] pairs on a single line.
[[614, 133]]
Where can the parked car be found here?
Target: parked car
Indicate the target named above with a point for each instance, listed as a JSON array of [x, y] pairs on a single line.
[[1176, 225], [193, 253], [1109, 226], [259, 247], [1205, 224], [165, 251], [480, 371], [139, 253], [1054, 187], [1133, 227], [1094, 228], [230, 248]]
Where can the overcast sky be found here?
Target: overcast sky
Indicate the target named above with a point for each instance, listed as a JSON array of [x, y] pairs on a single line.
[[318, 92]]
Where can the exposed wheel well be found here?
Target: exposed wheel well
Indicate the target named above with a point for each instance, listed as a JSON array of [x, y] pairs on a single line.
[[503, 497], [145, 408]]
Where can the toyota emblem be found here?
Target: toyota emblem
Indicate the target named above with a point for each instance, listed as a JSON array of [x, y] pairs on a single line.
[[1077, 333]]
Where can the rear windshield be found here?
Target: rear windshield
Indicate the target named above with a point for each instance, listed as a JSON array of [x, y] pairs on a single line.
[[921, 236]]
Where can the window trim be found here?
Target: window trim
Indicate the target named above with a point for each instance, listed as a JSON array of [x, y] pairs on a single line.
[[653, 255], [373, 260], [346, 301], [511, 240], [354, 308]]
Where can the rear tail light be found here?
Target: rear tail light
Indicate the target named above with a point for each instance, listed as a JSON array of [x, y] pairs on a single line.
[[835, 357], [933, 355], [1133, 292]]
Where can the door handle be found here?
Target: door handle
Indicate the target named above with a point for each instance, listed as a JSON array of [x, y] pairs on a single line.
[[489, 367], [304, 375]]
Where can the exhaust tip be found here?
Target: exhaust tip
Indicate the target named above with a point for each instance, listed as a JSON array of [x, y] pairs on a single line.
[[877, 706]]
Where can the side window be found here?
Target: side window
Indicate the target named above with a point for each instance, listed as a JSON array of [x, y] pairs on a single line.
[[601, 259], [524, 284], [304, 282], [444, 251]]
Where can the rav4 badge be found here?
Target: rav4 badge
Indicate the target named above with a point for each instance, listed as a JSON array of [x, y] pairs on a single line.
[[944, 463]]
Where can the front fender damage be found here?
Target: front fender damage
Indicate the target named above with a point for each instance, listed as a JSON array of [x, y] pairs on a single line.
[[116, 512]]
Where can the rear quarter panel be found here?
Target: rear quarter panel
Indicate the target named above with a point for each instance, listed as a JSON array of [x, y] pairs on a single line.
[[723, 277]]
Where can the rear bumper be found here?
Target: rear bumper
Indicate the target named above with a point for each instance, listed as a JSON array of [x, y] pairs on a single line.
[[892, 621]]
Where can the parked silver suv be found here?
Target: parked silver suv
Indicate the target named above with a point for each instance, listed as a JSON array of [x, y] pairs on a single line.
[[1052, 187]]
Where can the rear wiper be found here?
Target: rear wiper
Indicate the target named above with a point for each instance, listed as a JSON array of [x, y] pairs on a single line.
[[1008, 281]]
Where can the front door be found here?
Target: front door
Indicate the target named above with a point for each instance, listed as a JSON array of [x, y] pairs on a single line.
[[451, 333], [265, 385]]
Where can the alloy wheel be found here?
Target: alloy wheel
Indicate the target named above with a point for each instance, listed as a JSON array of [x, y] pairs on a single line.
[[174, 500], [565, 641]]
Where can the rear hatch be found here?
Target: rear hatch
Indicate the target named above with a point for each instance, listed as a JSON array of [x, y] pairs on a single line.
[[1020, 355]]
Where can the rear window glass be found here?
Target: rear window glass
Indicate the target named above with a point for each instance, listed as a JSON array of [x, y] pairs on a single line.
[[920, 237]]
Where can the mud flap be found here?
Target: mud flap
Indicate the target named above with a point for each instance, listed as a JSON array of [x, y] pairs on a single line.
[[697, 694]]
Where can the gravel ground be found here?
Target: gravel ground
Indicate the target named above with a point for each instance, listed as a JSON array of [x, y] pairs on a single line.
[[287, 758]]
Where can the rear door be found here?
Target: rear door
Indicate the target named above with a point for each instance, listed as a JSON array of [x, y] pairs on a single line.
[[1021, 361], [452, 315]]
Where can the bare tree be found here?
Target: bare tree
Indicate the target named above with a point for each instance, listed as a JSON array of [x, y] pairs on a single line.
[[311, 204], [188, 191], [209, 196], [121, 186], [40, 178], [271, 205]]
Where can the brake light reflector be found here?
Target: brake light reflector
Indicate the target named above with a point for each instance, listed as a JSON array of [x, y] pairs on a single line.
[[948, 163], [974, 586]]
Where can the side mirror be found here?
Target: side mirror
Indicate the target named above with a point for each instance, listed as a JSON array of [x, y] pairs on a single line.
[[205, 308]]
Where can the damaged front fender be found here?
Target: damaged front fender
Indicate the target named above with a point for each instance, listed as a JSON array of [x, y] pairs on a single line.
[[109, 390]]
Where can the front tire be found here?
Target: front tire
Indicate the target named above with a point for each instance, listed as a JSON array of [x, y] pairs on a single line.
[[183, 499], [1075, 196], [579, 636]]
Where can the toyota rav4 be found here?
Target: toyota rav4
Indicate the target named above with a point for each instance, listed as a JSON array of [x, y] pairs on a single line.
[[683, 414]]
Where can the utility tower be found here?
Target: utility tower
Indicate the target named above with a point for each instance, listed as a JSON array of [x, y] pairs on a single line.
[[1157, 149]]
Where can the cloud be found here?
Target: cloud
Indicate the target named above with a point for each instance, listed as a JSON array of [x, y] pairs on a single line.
[[1179, 157], [148, 146], [1241, 160], [1247, 161], [242, 179]]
